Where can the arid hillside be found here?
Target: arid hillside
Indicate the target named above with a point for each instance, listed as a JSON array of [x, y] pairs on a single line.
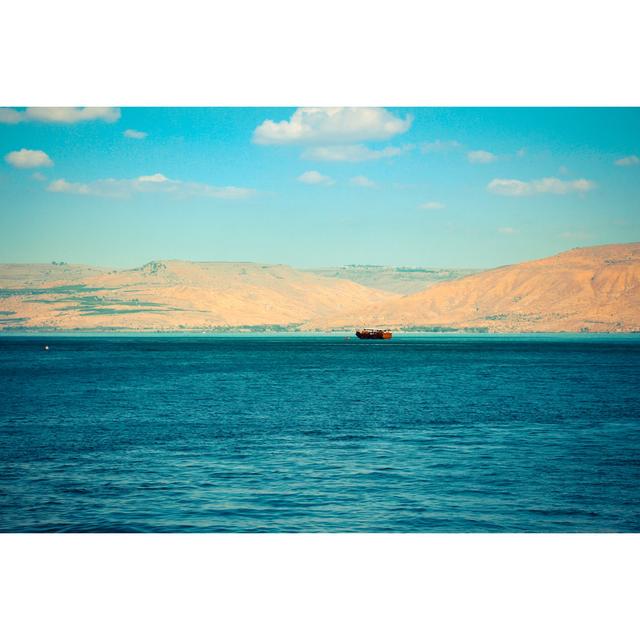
[[403, 280], [590, 289], [173, 295]]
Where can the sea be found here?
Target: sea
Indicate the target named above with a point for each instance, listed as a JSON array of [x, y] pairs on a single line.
[[304, 433]]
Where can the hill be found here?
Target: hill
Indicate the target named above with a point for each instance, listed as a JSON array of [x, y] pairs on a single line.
[[403, 280], [588, 289], [173, 295]]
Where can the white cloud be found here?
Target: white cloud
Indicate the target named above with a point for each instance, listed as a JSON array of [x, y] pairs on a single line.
[[507, 231], [62, 186], [555, 186], [628, 161], [156, 177], [439, 145], [10, 116], [65, 115], [432, 205], [350, 153], [136, 135], [312, 125], [362, 181], [315, 177], [156, 183], [481, 157], [28, 159]]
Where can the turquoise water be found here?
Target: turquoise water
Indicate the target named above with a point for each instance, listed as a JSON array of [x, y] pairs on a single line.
[[305, 433]]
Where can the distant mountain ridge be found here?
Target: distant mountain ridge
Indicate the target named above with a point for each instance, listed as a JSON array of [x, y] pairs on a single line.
[[403, 280], [172, 295], [589, 289]]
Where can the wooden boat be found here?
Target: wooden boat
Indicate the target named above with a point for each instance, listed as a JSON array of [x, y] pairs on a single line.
[[374, 334]]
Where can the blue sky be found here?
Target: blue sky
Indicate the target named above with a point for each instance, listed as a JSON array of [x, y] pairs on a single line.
[[459, 187]]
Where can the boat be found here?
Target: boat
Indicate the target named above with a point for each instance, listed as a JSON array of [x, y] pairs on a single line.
[[374, 334]]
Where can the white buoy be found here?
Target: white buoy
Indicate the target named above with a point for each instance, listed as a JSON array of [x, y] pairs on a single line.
[[46, 347]]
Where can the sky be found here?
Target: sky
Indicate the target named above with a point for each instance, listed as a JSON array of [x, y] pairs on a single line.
[[441, 187]]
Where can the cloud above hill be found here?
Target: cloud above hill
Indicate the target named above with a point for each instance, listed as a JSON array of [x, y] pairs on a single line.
[[362, 181], [28, 159], [504, 187], [433, 205], [315, 177], [156, 183], [438, 146], [60, 115], [136, 135], [481, 157], [322, 125], [628, 161], [350, 153]]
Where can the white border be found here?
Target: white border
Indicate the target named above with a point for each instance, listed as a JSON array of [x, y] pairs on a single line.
[[338, 52], [319, 586]]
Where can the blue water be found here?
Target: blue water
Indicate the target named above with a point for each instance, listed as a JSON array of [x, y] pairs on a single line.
[[417, 434]]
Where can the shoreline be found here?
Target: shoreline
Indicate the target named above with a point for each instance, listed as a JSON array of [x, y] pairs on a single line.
[[313, 334]]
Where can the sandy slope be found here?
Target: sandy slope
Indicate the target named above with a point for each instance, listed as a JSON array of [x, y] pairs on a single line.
[[173, 295], [403, 280], [590, 289]]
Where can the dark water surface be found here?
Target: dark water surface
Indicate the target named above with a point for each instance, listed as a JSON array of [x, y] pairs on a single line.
[[419, 434]]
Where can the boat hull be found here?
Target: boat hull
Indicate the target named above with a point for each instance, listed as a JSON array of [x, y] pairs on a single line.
[[374, 334]]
